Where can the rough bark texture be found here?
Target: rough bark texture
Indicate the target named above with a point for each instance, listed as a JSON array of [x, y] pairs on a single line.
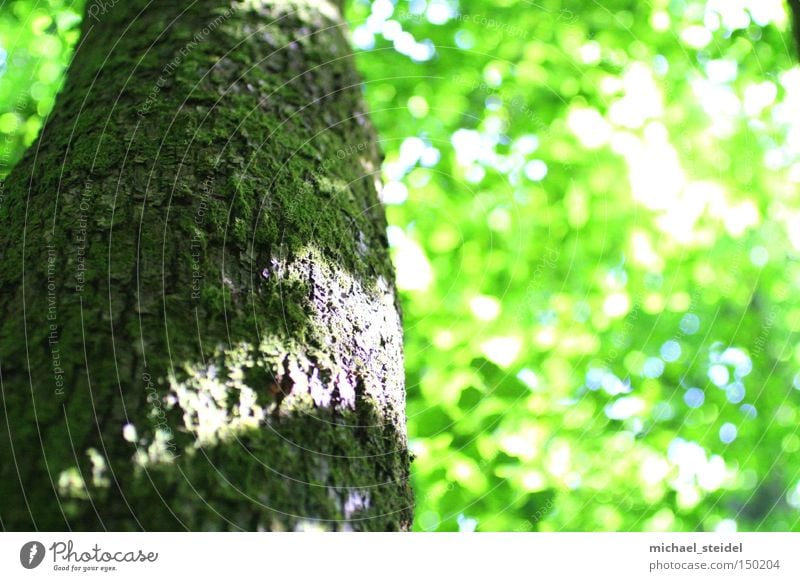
[[199, 328]]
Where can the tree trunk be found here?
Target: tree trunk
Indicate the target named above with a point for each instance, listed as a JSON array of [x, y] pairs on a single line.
[[794, 8], [199, 323]]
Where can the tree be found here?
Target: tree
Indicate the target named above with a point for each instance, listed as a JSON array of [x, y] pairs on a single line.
[[794, 8], [199, 324]]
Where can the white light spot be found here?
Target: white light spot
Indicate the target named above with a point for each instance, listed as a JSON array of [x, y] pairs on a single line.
[[624, 408], [591, 129], [414, 272], [439, 12], [485, 308], [529, 378], [590, 53], [719, 375], [390, 29], [696, 36], [759, 256], [721, 71], [129, 433], [758, 97], [726, 525], [502, 350], [712, 476], [382, 9], [642, 99], [466, 525], [727, 433], [616, 305], [535, 170], [363, 38], [394, 193], [430, 157], [613, 385]]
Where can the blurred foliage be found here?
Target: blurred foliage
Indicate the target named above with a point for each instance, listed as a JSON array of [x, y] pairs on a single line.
[[595, 220], [36, 41]]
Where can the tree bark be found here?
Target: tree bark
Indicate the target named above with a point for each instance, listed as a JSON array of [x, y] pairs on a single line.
[[794, 9], [199, 324]]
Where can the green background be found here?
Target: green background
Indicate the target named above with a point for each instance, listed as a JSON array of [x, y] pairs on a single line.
[[595, 220]]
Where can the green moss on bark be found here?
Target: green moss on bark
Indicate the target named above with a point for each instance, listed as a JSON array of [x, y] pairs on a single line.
[[205, 187]]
